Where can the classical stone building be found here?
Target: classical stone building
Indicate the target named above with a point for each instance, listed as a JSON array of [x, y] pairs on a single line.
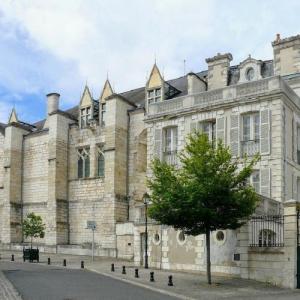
[[90, 163]]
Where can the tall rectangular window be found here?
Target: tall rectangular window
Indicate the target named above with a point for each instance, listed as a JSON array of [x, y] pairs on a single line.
[[154, 95], [250, 133], [170, 145], [209, 128], [85, 116], [83, 162], [101, 162], [103, 111]]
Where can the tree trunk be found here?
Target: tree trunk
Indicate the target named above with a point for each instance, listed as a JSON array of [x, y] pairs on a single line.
[[208, 271]]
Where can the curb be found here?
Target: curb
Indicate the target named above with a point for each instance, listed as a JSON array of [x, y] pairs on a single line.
[[161, 291]]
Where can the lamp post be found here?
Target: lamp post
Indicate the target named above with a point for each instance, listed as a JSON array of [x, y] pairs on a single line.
[[146, 199]]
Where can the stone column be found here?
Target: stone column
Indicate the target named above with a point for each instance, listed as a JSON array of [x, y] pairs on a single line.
[[290, 242], [243, 244]]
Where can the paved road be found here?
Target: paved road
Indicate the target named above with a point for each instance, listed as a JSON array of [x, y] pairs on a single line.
[[36, 282]]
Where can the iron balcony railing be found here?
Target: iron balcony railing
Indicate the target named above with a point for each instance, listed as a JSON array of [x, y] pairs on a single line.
[[170, 157], [250, 147], [267, 231]]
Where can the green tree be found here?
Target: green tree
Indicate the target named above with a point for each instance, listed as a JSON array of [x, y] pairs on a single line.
[[33, 227], [207, 192]]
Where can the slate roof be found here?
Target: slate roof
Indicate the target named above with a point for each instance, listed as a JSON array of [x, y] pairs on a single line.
[[137, 96]]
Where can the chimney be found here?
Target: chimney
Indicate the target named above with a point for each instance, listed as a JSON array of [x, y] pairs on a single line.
[[286, 55], [218, 68], [52, 102]]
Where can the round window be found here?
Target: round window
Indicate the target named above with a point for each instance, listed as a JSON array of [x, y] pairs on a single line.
[[220, 236], [156, 239], [181, 238], [250, 74]]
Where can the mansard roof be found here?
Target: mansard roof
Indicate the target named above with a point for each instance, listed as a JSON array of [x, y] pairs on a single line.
[[137, 96]]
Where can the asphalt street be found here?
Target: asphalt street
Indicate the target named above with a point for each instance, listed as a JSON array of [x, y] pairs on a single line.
[[36, 282]]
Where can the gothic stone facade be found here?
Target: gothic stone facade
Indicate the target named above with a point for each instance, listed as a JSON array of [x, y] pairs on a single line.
[[90, 163]]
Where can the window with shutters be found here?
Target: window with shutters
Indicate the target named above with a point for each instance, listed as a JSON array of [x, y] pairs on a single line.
[[255, 181], [209, 128], [298, 144], [103, 111], [83, 162], [170, 145], [100, 162], [250, 134], [85, 116], [154, 95]]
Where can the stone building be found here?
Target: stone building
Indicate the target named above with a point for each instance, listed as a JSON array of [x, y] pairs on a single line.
[[90, 163]]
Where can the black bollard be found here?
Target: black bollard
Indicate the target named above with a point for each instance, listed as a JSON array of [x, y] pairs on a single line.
[[152, 276], [112, 267], [136, 273], [82, 264], [12, 257], [65, 263], [49, 261], [170, 283], [123, 270]]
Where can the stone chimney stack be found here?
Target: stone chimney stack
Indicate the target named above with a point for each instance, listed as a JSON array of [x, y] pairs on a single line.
[[52, 102], [218, 68], [286, 55]]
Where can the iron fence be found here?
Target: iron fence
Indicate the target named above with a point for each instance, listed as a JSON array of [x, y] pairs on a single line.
[[267, 231]]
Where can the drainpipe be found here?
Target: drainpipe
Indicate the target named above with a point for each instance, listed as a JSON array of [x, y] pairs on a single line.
[[127, 164], [67, 193], [22, 174]]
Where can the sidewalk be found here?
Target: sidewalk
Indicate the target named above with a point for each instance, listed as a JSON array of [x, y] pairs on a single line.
[[186, 285]]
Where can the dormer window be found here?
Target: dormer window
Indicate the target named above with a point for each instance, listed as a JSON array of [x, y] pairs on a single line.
[[250, 74], [154, 95], [85, 116]]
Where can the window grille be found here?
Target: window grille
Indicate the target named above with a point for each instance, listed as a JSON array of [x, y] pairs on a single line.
[[267, 231]]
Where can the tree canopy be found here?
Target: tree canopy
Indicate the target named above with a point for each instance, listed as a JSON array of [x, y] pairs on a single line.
[[208, 190]]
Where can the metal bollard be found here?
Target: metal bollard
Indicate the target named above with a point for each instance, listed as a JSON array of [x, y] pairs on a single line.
[[112, 267], [136, 273], [49, 261], [82, 264], [152, 276], [12, 257], [65, 263], [170, 283], [123, 270]]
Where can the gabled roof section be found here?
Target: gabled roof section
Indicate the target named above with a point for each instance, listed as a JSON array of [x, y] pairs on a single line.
[[13, 117], [155, 78], [86, 99], [106, 91]]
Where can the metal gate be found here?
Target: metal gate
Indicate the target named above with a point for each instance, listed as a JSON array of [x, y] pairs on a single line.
[[298, 249]]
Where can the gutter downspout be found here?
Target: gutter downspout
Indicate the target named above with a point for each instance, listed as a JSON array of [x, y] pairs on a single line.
[[22, 174], [127, 164], [67, 192]]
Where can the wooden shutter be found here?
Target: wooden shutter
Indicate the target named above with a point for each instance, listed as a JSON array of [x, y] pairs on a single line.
[[265, 182], [265, 131], [158, 143], [221, 128], [234, 135]]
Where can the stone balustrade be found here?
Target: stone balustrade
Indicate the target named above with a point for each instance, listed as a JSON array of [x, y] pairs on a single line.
[[243, 91]]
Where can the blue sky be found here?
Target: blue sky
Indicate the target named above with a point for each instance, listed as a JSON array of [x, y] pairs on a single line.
[[58, 46]]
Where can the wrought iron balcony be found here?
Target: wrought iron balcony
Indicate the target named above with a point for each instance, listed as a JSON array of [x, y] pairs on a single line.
[[170, 157], [250, 147]]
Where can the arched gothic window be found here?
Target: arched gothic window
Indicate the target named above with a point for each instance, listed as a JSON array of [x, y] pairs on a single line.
[[101, 163], [83, 162]]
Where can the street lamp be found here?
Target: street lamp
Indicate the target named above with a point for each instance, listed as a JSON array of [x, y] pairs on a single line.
[[146, 200]]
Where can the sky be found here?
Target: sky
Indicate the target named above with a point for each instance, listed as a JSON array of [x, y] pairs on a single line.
[[60, 46]]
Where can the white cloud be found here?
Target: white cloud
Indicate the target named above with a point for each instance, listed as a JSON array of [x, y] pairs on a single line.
[[72, 41]]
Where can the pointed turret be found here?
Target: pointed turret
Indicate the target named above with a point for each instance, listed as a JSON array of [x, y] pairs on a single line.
[[155, 79], [106, 91], [13, 117], [86, 99]]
